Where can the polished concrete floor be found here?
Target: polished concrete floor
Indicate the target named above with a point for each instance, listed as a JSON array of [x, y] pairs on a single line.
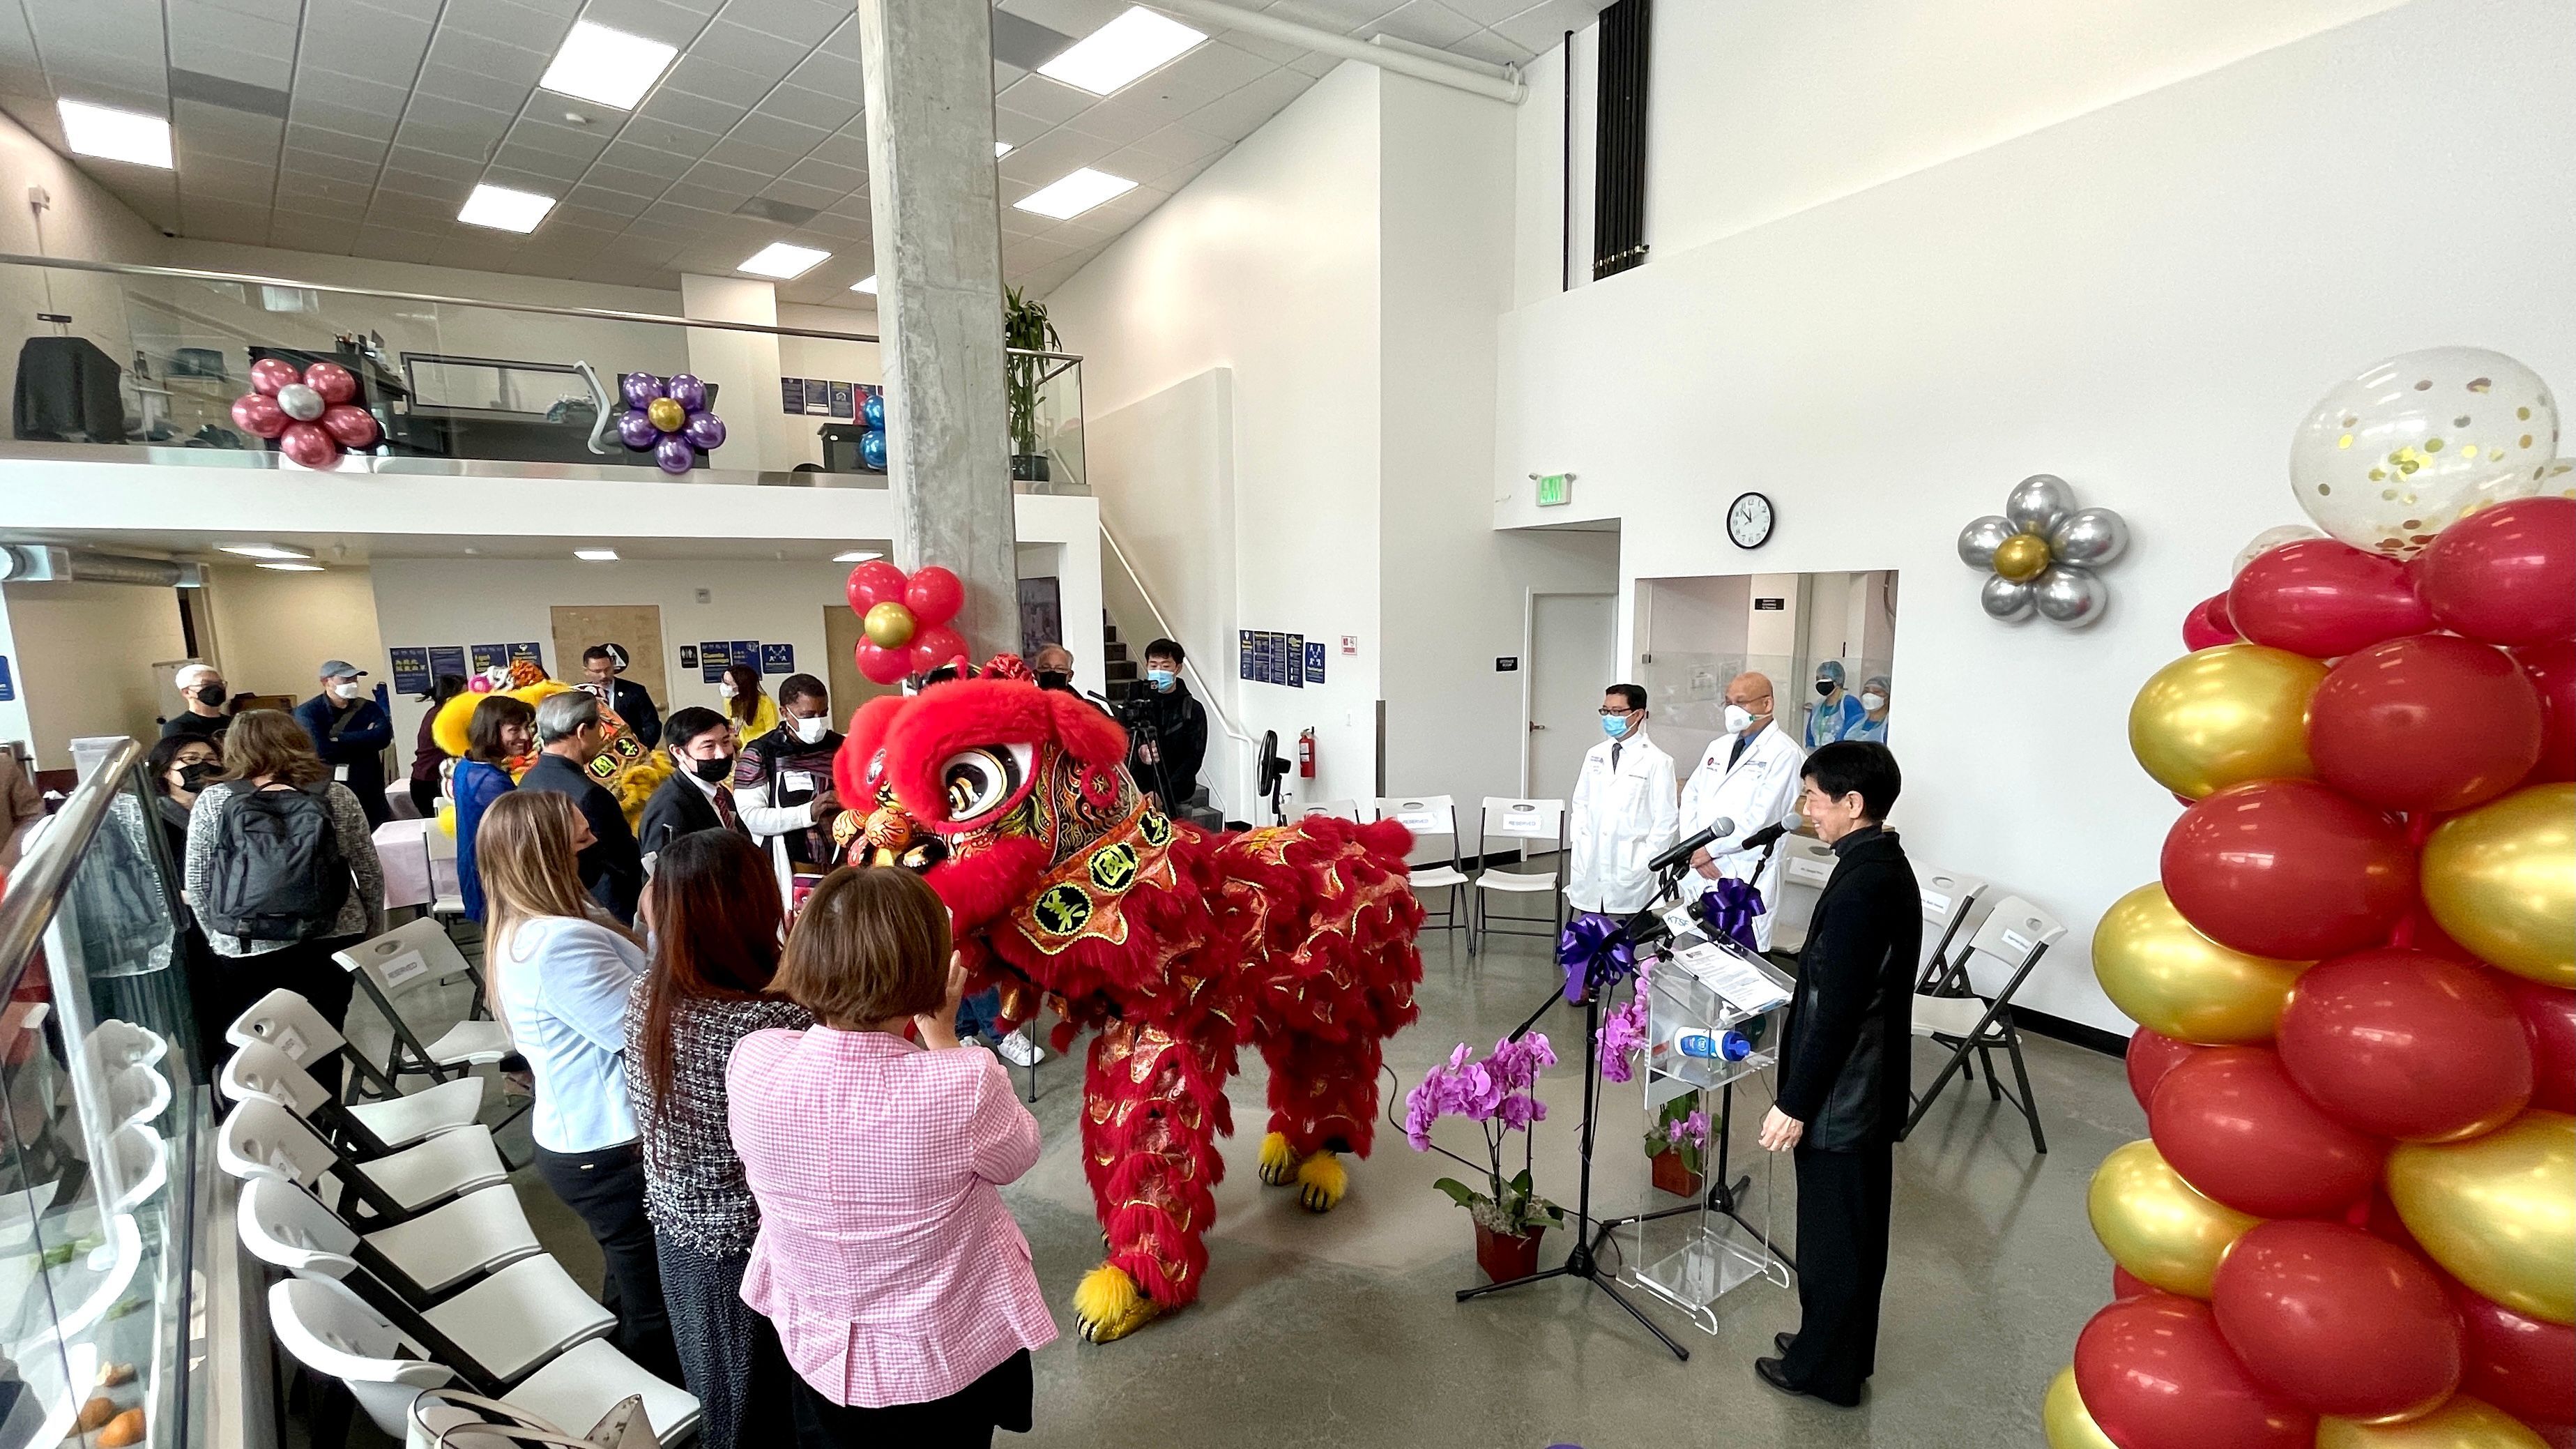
[[1343, 1330]]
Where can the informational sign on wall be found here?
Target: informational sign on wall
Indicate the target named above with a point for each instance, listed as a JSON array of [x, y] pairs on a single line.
[[688, 656], [776, 658], [1771, 606], [715, 656], [845, 402], [8, 681], [1314, 661], [488, 657], [1268, 656], [410, 668], [530, 651], [447, 659]]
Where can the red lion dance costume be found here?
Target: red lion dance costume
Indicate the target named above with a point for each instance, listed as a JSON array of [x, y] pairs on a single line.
[[1178, 946]]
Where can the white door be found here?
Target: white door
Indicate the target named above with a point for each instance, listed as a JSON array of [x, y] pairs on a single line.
[[1571, 661]]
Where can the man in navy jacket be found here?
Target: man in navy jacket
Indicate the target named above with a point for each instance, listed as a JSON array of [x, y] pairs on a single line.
[[350, 732]]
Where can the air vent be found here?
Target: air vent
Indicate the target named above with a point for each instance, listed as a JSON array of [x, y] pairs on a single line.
[[1025, 43], [232, 95], [771, 209]]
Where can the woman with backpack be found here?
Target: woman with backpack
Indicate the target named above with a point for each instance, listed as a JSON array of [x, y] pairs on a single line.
[[281, 872]]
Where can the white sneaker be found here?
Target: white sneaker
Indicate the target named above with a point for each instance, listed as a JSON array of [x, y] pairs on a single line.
[[1020, 1049]]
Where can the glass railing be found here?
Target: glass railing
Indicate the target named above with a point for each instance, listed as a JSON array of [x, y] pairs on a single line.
[[106, 1115], [151, 364]]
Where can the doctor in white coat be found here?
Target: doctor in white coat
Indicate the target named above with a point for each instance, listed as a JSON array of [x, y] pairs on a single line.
[[1623, 812], [1749, 775]]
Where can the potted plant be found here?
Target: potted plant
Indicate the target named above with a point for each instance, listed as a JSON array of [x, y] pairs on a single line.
[[1498, 1093], [1674, 1146], [1025, 327]]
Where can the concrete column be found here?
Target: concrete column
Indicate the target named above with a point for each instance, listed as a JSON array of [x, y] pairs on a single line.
[[932, 191]]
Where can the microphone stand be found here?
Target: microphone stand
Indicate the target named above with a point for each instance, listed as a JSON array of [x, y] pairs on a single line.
[[1583, 1261]]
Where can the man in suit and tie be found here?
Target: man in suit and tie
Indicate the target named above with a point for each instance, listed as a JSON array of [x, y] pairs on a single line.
[[698, 796], [1845, 1072]]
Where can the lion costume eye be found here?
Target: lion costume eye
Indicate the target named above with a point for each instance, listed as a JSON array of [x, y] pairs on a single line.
[[976, 782]]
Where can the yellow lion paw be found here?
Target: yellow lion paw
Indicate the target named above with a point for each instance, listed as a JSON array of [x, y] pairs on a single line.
[[1322, 1181], [1278, 1160], [1107, 1305]]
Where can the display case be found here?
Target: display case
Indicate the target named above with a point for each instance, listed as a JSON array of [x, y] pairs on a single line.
[[101, 1201]]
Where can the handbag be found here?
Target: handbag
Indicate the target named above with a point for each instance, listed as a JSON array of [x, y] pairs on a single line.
[[454, 1419]]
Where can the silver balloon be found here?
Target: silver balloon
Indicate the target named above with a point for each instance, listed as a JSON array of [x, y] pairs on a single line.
[[300, 402], [2070, 595], [2003, 599], [1979, 540], [2037, 502], [2089, 536]]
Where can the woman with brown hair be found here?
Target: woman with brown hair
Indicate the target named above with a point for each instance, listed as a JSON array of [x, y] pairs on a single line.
[[749, 706], [281, 872], [900, 1285], [557, 973], [715, 920]]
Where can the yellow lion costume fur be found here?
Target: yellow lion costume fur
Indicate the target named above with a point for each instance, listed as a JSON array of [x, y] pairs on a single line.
[[629, 769]]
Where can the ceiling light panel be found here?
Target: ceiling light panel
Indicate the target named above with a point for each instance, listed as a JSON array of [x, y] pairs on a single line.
[[114, 135], [262, 550], [293, 568], [1075, 194], [503, 209], [867, 284], [1122, 50], [783, 260], [607, 67], [595, 555]]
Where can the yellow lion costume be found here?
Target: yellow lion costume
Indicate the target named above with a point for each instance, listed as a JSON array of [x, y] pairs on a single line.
[[629, 769]]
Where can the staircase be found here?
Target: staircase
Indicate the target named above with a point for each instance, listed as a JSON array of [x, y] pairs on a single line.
[[1114, 663]]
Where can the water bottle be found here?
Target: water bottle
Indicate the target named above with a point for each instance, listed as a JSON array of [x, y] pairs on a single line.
[[1729, 1046]]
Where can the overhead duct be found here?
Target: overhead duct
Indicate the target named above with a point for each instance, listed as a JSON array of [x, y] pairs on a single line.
[[36, 563]]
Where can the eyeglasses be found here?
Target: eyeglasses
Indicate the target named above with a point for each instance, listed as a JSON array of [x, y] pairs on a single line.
[[1605, 714]]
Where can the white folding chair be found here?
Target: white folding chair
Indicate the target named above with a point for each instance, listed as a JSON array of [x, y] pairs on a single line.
[[1344, 809], [332, 1331], [1949, 899], [1432, 817], [510, 1322], [446, 895], [432, 1167], [286, 1023], [1530, 825], [2016, 934], [1805, 866], [402, 961]]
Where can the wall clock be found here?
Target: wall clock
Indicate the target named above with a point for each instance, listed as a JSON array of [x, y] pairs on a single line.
[[1749, 520]]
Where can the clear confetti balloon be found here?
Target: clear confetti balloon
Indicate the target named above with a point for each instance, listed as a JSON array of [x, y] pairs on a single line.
[[2391, 457]]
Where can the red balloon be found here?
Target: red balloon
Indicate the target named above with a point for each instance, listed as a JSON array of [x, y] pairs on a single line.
[[2435, 722], [307, 444], [258, 414], [2289, 869], [2207, 625], [2339, 1321], [872, 583], [271, 373], [2551, 668], [934, 646], [337, 384], [2549, 1023], [2323, 598], [881, 664], [2126, 1285], [2406, 1044], [355, 427], [2505, 574], [2155, 1374], [2524, 1366], [2231, 1123], [2379, 1219], [2151, 1055], [934, 595]]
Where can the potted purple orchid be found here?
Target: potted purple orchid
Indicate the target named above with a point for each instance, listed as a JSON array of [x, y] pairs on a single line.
[[1499, 1093], [1680, 1132]]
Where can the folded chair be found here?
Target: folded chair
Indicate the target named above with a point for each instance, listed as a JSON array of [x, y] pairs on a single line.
[[2016, 934]]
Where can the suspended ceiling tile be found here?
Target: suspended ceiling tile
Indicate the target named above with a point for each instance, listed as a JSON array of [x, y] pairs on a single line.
[[1238, 115], [1076, 18], [1343, 16], [717, 81], [802, 22], [472, 87], [661, 135], [1542, 27], [1044, 100], [1424, 22], [680, 108], [768, 56], [810, 107]]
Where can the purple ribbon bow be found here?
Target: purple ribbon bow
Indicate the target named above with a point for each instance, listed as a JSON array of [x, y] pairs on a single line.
[[1729, 908], [1592, 951]]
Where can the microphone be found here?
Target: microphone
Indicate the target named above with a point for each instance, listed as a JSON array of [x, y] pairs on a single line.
[[1683, 852], [1765, 836]]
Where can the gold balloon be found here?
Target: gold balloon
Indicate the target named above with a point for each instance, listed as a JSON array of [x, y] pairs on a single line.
[[889, 625], [2022, 557], [2223, 716], [2068, 1423], [2502, 880], [2155, 1225], [666, 414], [2461, 1423], [2498, 1211], [2165, 975]]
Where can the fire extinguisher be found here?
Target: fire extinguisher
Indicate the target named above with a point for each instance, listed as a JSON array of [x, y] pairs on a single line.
[[1306, 753]]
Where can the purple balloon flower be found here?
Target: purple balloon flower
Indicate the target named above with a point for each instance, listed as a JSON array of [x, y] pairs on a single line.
[[704, 429], [636, 430], [687, 391], [639, 388], [673, 454]]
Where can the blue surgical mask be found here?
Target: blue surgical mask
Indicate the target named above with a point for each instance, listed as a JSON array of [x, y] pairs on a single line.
[[1159, 678], [1614, 725]]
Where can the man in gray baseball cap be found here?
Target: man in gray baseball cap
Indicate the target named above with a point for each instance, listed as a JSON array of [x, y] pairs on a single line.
[[350, 732]]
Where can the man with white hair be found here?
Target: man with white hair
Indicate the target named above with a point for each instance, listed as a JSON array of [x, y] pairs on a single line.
[[202, 686]]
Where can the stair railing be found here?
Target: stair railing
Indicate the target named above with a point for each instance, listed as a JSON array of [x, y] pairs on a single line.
[[1247, 766]]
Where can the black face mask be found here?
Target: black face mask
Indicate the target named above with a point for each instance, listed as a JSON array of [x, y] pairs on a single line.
[[1824, 686], [1055, 679], [211, 695], [715, 771], [193, 778]]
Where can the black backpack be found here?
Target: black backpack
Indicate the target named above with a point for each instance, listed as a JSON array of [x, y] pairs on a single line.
[[278, 871]]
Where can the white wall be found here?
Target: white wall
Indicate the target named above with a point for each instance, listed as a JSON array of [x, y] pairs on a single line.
[[271, 630], [83, 221], [2144, 299], [828, 357], [82, 655]]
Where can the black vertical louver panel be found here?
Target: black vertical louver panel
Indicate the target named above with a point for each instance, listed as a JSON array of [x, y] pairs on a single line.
[[1619, 140]]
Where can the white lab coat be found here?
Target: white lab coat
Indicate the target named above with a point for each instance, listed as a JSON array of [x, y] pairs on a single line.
[[1757, 791], [1616, 822]]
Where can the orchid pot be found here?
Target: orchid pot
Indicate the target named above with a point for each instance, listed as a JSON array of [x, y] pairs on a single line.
[[1498, 1093], [1506, 1256]]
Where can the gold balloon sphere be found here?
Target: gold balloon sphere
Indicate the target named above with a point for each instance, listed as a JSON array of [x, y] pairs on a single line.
[[2498, 1211], [2155, 1225], [665, 414], [2165, 975], [2223, 716], [2502, 880], [2068, 1423], [2461, 1423], [2022, 557], [889, 625]]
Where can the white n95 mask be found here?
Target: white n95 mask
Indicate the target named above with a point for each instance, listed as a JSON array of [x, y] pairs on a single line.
[[1738, 719]]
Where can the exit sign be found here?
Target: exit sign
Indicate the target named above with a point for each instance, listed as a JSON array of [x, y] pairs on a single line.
[[1554, 489]]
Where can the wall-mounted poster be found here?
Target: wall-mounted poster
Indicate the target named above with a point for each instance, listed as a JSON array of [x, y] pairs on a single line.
[[410, 668], [715, 656], [446, 659]]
